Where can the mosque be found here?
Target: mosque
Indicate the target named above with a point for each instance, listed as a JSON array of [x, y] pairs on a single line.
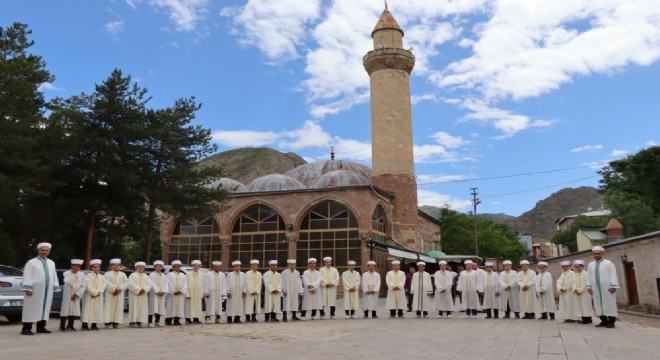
[[330, 208]]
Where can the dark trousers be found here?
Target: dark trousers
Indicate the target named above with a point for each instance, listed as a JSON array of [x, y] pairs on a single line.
[[409, 296]]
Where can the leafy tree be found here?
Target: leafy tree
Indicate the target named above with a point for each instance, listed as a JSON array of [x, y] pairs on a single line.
[[636, 216], [568, 237]]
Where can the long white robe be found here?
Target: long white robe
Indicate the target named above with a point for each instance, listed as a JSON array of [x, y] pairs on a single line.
[[602, 277], [370, 282], [292, 288], [492, 290], [216, 285], [421, 289], [114, 304], [73, 284], [92, 307], [159, 284], [470, 285], [311, 300], [252, 285], [396, 299], [40, 277], [329, 276], [582, 297], [567, 298], [235, 290], [510, 297], [528, 301], [272, 282], [351, 280], [138, 305], [443, 281], [481, 273], [194, 294], [175, 304], [545, 290]]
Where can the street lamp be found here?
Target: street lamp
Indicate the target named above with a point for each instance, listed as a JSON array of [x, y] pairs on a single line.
[[371, 243]]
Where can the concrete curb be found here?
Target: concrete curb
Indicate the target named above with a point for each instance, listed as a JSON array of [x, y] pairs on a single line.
[[639, 314]]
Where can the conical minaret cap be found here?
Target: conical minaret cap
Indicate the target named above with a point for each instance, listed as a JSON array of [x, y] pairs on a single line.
[[386, 21]]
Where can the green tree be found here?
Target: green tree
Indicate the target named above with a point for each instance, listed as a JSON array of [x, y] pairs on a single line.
[[636, 216], [568, 237]]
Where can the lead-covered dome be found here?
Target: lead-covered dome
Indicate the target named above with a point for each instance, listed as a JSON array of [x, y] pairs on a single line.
[[228, 184], [274, 182], [340, 178], [348, 173]]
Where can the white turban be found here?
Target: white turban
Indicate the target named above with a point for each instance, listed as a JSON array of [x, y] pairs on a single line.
[[543, 263], [95, 262], [565, 263], [216, 263], [254, 262], [236, 262], [371, 262], [507, 262], [176, 262], [396, 262], [115, 261], [442, 262], [76, 262], [159, 262], [272, 262], [578, 262], [598, 248], [327, 258], [467, 262], [140, 263], [524, 262], [196, 262], [291, 261], [488, 263], [311, 260], [421, 263], [44, 244], [351, 262]]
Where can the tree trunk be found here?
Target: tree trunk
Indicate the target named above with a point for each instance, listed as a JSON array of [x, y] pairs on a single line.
[[150, 232], [91, 222]]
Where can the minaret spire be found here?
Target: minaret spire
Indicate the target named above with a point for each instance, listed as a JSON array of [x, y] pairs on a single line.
[[386, 5]]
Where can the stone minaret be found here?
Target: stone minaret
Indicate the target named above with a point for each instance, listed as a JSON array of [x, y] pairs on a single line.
[[389, 67]]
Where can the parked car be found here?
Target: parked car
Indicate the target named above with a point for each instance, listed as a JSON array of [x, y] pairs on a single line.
[[11, 296]]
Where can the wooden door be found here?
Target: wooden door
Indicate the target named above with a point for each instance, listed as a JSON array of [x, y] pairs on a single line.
[[631, 283]]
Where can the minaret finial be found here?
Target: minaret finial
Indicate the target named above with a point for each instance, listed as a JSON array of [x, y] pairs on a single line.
[[332, 153], [386, 5]]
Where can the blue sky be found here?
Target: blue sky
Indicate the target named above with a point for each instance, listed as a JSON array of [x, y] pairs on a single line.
[[500, 88]]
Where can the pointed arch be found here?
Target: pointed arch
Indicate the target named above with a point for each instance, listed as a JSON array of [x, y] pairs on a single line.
[[258, 232], [194, 239], [380, 224]]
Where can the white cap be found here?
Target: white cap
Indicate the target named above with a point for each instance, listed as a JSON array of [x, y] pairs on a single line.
[[351, 262], [565, 263], [371, 262], [115, 261], [140, 263], [327, 258], [236, 262], [44, 244], [272, 262], [442, 262], [95, 262], [176, 262], [216, 263], [466, 262], [196, 262], [578, 262], [524, 262], [543, 263], [159, 262], [396, 262], [254, 262], [291, 261], [421, 263], [507, 262], [311, 260], [598, 248], [77, 262], [489, 263]]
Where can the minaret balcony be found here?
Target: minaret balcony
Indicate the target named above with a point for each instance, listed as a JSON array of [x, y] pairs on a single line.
[[389, 58]]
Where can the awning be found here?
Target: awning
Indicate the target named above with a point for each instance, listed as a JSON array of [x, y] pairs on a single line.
[[402, 254], [428, 259]]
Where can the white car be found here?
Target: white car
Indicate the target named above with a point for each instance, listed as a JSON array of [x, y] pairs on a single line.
[[11, 296]]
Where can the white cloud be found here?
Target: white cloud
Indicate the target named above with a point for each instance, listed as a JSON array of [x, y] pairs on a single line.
[[439, 178], [434, 198], [438, 154], [309, 136], [47, 86], [591, 148], [186, 14], [449, 141], [245, 138], [651, 143], [596, 165], [617, 153], [416, 99], [503, 120], [114, 27], [352, 149]]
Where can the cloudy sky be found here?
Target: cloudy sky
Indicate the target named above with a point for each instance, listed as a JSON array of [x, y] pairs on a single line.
[[518, 98]]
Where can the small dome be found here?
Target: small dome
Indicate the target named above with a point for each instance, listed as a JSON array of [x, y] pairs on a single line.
[[309, 174], [228, 184], [274, 182], [386, 21], [340, 178]]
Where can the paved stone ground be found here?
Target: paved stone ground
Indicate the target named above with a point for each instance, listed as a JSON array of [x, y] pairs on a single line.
[[409, 338]]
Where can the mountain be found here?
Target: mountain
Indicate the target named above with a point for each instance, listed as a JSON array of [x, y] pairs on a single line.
[[246, 164]]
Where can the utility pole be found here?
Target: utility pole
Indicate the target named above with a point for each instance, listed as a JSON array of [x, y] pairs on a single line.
[[475, 201]]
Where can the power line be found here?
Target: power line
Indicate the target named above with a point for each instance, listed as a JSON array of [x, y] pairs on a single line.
[[541, 188]]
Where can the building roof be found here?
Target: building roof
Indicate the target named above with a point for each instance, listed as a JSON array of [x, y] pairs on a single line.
[[273, 182], [350, 173], [228, 184], [588, 213], [594, 235], [386, 21], [613, 224]]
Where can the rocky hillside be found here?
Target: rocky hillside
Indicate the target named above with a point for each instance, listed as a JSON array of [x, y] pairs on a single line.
[[246, 164]]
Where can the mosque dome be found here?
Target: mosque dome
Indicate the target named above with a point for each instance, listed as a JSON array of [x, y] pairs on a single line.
[[348, 173], [340, 178], [228, 184], [274, 182]]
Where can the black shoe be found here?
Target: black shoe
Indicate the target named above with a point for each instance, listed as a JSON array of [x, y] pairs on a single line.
[[610, 325], [295, 318], [115, 325], [274, 319], [69, 325], [85, 327], [188, 321], [517, 315], [43, 330], [26, 332], [95, 327], [230, 320], [63, 320]]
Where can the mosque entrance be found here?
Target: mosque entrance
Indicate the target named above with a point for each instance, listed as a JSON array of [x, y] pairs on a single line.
[[631, 283]]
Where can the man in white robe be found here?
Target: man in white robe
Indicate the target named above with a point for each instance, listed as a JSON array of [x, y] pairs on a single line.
[[292, 290], [39, 283], [253, 281], [311, 281], [510, 291], [92, 304], [396, 295], [470, 286], [158, 293], [370, 290], [602, 285], [527, 286], [176, 299], [545, 289], [421, 287], [443, 281], [565, 291], [117, 281], [73, 290], [273, 292], [351, 283], [139, 285], [583, 299], [236, 292], [481, 273], [195, 294], [492, 292], [216, 285], [329, 283]]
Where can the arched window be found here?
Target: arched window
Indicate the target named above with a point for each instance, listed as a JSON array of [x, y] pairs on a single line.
[[379, 224], [196, 240], [259, 233], [329, 229]]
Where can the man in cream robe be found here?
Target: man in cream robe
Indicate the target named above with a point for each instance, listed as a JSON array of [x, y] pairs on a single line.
[[273, 292], [216, 285], [92, 304], [421, 287], [545, 289], [470, 286], [351, 283], [443, 280], [292, 289], [253, 280], [396, 294], [492, 292], [370, 290], [175, 303], [565, 291], [583, 299], [158, 293], [311, 281], [510, 291], [602, 285], [196, 292], [527, 286], [329, 283], [39, 283], [73, 290], [138, 300], [117, 281], [236, 292]]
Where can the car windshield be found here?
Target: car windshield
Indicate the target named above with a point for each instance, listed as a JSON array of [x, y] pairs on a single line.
[[10, 271]]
